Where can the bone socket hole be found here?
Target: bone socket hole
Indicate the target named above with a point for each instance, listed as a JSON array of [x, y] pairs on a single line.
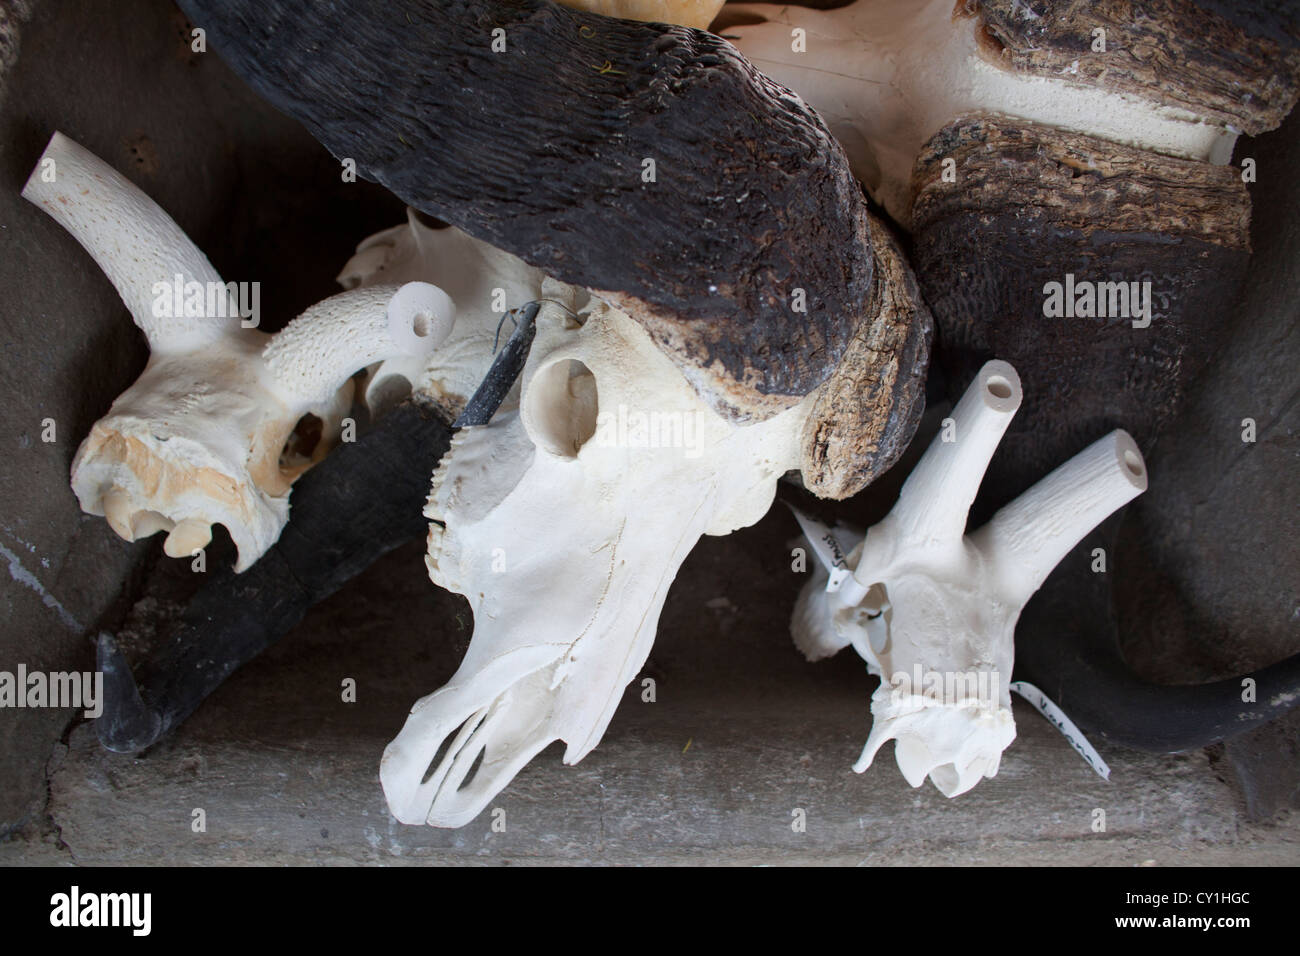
[[445, 748], [562, 407], [419, 317], [998, 387], [302, 442], [873, 616], [473, 770], [1133, 463]]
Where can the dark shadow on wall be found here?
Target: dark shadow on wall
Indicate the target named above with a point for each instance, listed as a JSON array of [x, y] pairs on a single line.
[[1211, 585]]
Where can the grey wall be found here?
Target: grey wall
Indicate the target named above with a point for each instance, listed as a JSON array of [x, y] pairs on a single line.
[[258, 195]]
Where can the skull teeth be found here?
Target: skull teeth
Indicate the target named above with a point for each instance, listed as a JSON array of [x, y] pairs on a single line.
[[189, 535], [117, 509], [437, 506], [132, 524]]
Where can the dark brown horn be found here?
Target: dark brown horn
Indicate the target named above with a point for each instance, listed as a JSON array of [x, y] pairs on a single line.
[[749, 258], [1032, 205], [541, 147], [1199, 55]]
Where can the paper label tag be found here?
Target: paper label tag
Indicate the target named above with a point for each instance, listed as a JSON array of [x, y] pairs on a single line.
[[1044, 705], [827, 546]]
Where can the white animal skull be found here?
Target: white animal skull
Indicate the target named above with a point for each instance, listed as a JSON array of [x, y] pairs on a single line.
[[564, 523], [205, 435], [933, 611]]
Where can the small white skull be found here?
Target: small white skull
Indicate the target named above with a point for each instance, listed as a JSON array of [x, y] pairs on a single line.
[[933, 612], [206, 435]]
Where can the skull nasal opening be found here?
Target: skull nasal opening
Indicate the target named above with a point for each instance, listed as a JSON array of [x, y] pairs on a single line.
[[562, 407]]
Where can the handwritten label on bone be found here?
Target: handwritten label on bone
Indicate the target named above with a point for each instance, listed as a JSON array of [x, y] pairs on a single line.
[[828, 547], [1044, 705]]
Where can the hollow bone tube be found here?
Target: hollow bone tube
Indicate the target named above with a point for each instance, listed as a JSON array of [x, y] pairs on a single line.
[[312, 357], [133, 241], [1030, 536], [937, 496]]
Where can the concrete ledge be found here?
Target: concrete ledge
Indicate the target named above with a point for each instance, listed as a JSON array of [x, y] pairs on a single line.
[[288, 774]]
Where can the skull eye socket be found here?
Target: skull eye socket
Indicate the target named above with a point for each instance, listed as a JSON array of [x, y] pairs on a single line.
[[562, 407], [300, 447]]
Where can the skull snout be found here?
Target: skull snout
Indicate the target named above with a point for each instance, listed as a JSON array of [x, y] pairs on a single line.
[[463, 744]]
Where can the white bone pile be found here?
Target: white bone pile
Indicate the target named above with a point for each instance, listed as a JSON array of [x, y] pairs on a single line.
[[565, 519], [933, 611]]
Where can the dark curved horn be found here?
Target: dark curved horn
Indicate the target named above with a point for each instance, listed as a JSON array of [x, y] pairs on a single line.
[[1068, 647], [1211, 50], [1047, 212], [542, 148]]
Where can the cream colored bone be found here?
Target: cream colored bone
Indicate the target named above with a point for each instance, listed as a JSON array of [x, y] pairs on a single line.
[[933, 611], [887, 75], [200, 437], [564, 523], [687, 13]]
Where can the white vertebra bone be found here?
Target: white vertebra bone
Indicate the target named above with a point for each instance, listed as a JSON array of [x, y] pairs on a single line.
[[564, 524], [887, 75], [933, 611], [200, 438]]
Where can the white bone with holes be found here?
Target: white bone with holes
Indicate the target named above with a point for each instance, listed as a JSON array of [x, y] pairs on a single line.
[[483, 281], [933, 611]]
